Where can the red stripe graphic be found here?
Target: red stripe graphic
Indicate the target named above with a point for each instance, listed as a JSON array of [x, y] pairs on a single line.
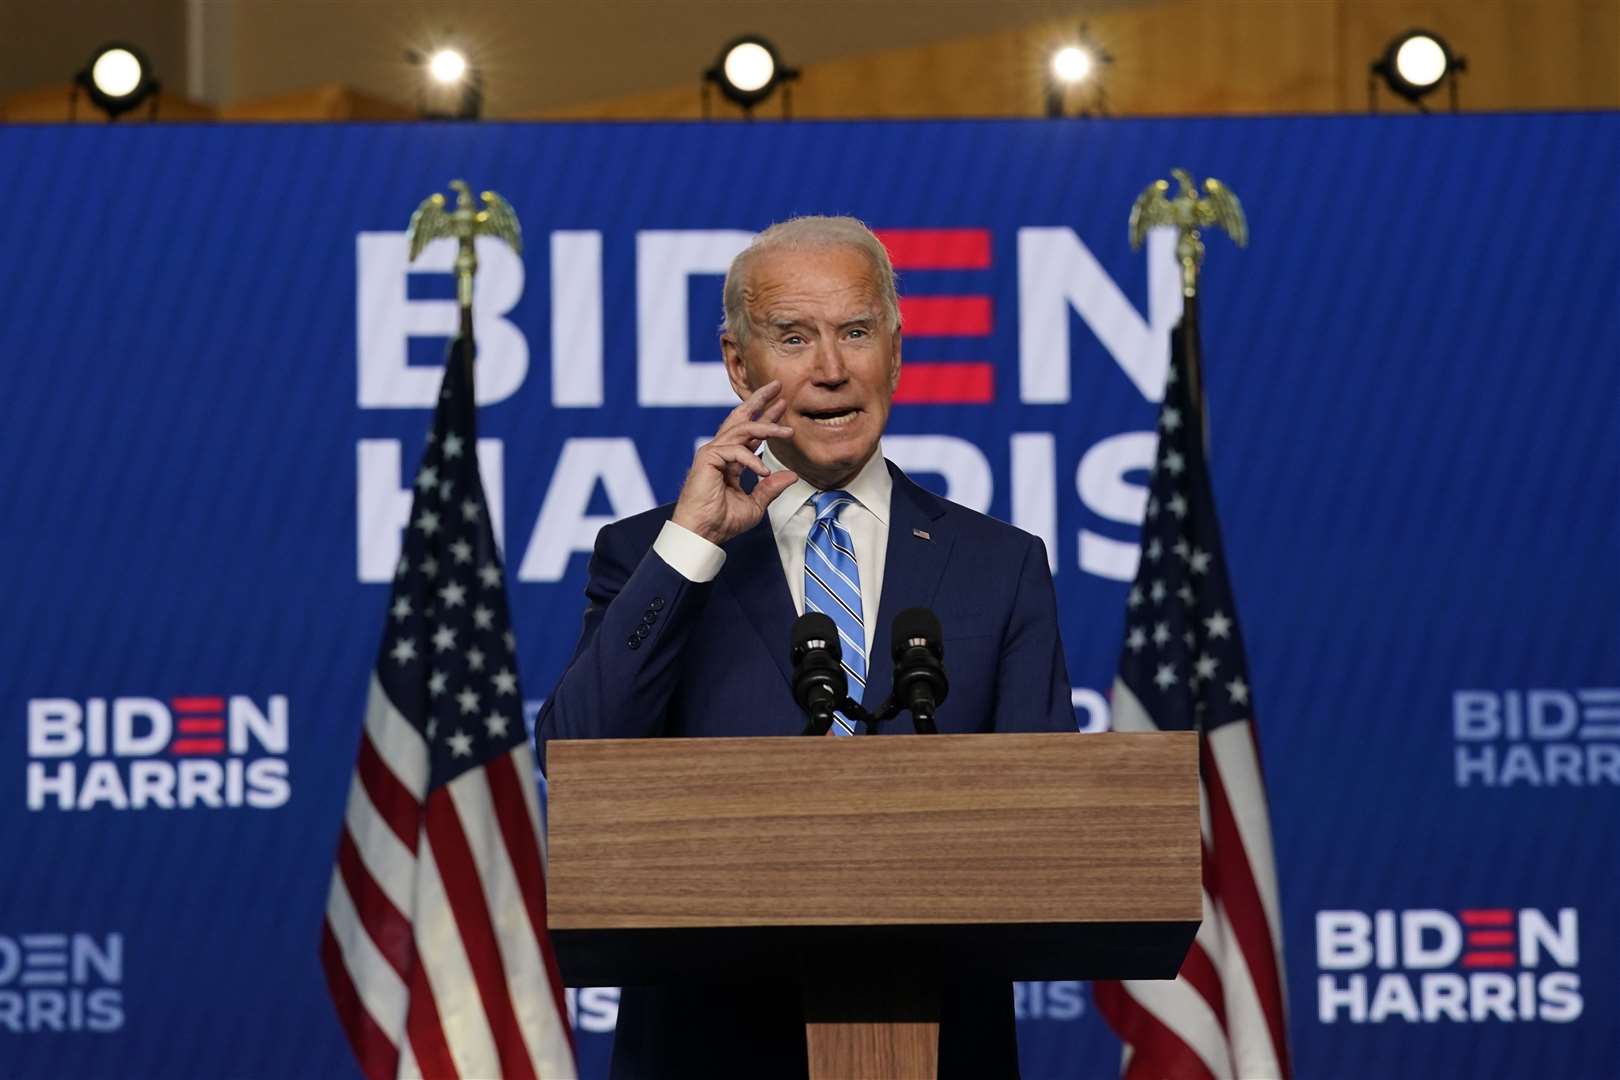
[[972, 382], [393, 800], [459, 873], [523, 846], [945, 316], [1159, 1051], [197, 746], [1487, 959], [1240, 898], [1488, 917], [937, 249], [201, 725], [379, 1058], [1490, 937], [198, 704]]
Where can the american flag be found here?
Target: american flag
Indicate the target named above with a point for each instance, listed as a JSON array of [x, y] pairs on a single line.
[[435, 946], [1182, 668]]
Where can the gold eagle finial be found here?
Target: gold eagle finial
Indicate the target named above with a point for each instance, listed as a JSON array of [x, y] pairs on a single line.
[[1188, 213], [465, 223]]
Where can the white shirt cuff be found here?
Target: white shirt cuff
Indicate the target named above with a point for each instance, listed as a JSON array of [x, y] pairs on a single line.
[[688, 554]]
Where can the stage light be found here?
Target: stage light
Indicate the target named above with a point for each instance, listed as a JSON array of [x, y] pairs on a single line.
[[1077, 66], [748, 71], [1413, 66], [118, 78], [452, 86], [1071, 64], [447, 66]]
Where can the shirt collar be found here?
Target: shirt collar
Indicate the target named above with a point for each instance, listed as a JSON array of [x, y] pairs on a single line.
[[871, 487]]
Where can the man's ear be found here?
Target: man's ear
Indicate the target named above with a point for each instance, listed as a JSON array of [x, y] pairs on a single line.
[[894, 364], [736, 367]]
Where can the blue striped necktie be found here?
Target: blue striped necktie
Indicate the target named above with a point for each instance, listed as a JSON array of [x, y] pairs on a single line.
[[832, 585]]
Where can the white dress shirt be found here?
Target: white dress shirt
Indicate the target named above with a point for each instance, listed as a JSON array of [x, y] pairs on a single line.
[[791, 515]]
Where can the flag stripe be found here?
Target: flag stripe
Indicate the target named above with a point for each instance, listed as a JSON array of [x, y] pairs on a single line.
[[449, 976], [1199, 971], [527, 981], [389, 862], [387, 927], [1240, 898], [393, 803], [1252, 1049], [426, 1034], [518, 825], [1159, 1049], [1237, 756], [459, 876], [398, 743], [377, 1055], [379, 987]]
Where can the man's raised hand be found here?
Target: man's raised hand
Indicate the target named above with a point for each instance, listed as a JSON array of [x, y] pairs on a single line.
[[713, 503]]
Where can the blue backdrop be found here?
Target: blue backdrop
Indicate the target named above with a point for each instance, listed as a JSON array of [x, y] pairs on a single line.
[[214, 399]]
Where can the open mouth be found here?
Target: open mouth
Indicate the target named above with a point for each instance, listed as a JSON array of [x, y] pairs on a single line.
[[831, 417]]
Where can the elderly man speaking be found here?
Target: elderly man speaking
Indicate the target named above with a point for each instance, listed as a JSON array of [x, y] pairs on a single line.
[[789, 508]]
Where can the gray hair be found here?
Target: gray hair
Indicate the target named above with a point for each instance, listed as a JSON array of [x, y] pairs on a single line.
[[808, 233]]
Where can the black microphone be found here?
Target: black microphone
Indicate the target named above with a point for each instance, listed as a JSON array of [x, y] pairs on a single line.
[[919, 665], [819, 682]]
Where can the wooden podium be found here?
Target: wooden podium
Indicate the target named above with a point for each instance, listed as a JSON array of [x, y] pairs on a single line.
[[871, 869]]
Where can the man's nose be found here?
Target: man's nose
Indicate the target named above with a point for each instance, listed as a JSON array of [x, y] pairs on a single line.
[[830, 369]]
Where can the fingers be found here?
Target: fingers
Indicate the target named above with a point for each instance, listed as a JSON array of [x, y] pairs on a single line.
[[766, 491], [753, 406], [733, 455]]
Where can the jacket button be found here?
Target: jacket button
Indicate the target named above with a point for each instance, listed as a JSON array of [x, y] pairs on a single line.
[[648, 618], [634, 642], [657, 603]]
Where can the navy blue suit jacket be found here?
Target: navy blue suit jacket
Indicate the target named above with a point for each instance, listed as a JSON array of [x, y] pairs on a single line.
[[662, 656]]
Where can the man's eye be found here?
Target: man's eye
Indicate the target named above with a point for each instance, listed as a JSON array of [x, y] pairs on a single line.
[[793, 339], [857, 332]]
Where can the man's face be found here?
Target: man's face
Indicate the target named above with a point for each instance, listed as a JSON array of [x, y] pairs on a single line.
[[817, 325]]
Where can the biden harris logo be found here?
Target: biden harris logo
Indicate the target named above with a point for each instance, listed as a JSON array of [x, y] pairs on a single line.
[[1427, 966], [61, 982], [191, 752], [1544, 737]]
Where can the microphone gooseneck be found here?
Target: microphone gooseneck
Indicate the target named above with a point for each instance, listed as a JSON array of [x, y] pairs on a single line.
[[819, 682], [917, 645]]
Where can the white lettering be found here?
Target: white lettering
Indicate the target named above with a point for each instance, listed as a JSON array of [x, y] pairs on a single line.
[[665, 259], [961, 463], [576, 319], [564, 527], [1057, 274], [387, 319]]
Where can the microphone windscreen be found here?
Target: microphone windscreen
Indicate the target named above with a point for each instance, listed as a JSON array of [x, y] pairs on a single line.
[[913, 625], [818, 627]]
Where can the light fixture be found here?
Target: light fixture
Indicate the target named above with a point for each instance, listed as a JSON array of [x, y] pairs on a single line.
[[451, 88], [748, 71], [447, 66], [1074, 70], [118, 78], [1071, 64], [1413, 66]]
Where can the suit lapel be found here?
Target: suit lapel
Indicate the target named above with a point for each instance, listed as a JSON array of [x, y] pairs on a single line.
[[912, 569], [761, 589]]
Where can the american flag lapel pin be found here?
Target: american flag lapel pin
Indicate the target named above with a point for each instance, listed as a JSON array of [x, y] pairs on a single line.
[[921, 534]]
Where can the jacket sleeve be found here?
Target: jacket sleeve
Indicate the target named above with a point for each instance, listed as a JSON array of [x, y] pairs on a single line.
[[639, 614], [1032, 685]]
